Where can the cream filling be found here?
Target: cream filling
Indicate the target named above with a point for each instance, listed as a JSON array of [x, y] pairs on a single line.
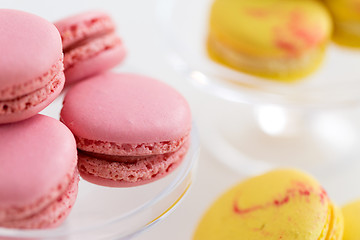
[[263, 65], [32, 99]]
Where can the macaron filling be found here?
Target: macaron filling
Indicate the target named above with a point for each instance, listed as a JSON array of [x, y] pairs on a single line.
[[85, 36], [16, 212], [130, 169], [50, 212], [111, 149], [32, 85], [34, 98], [92, 47], [95, 26], [263, 65]]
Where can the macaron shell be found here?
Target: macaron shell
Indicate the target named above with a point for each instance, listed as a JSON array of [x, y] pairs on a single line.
[[142, 149], [81, 26], [30, 105], [351, 214], [102, 58], [33, 169], [146, 111], [336, 230], [282, 204], [346, 15], [274, 39], [29, 87], [29, 46], [275, 28], [52, 215], [123, 174]]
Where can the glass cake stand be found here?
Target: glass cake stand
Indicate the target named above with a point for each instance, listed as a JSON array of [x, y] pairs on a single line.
[[262, 124], [118, 213], [101, 212]]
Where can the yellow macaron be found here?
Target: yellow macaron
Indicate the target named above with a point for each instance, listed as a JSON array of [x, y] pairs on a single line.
[[281, 204], [346, 15], [277, 39], [351, 214]]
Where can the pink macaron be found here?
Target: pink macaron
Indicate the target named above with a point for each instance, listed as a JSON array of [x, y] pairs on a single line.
[[38, 174], [31, 65], [90, 45], [130, 129]]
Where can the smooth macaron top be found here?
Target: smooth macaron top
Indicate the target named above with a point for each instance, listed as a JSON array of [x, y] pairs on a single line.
[[126, 108], [270, 28], [29, 46], [282, 204], [35, 157]]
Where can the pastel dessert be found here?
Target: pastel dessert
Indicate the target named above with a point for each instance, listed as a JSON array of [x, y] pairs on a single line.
[[31, 65], [38, 175], [351, 214], [346, 16], [281, 204], [90, 45], [277, 39], [130, 129]]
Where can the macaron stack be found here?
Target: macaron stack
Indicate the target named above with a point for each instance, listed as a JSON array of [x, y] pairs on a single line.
[[130, 129], [38, 158], [279, 39], [119, 130]]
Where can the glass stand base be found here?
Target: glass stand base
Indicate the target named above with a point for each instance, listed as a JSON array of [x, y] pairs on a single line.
[[253, 139]]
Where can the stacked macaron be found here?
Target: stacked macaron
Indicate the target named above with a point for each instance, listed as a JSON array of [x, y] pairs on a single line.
[[129, 129], [279, 39], [119, 130], [38, 158]]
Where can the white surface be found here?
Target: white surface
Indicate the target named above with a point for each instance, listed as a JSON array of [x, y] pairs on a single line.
[[137, 24]]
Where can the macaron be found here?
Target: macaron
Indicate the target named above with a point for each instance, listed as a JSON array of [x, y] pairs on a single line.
[[281, 204], [90, 45], [130, 129], [31, 65], [277, 39], [351, 212], [346, 16], [38, 175]]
